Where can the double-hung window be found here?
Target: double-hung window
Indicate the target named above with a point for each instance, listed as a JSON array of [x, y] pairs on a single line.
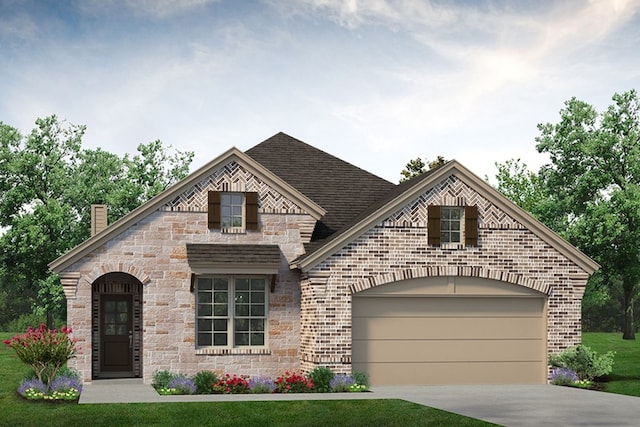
[[450, 230], [231, 311], [233, 212]]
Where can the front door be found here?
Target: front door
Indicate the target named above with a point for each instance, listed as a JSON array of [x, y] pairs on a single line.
[[116, 334]]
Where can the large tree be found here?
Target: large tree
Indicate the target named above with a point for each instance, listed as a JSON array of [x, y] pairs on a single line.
[[590, 191], [47, 184]]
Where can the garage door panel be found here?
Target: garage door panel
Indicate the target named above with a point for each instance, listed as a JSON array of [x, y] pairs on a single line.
[[447, 307], [452, 373], [441, 328], [386, 351], [450, 340]]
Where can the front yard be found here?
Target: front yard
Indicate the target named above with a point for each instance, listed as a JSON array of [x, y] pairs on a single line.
[[625, 379], [19, 412]]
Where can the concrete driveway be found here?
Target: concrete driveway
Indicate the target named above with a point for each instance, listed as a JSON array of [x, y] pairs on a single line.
[[537, 405]]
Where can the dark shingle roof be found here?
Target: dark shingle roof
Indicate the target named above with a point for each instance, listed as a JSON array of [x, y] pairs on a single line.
[[342, 189], [383, 200], [205, 255]]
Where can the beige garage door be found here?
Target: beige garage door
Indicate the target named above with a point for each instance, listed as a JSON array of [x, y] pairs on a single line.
[[450, 331]]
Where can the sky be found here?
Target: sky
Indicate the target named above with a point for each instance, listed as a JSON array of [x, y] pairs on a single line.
[[374, 82]]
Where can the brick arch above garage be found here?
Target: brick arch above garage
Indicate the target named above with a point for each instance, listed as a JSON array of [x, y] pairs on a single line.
[[456, 271]]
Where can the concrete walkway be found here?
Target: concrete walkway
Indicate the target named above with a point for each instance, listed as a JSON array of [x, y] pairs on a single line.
[[505, 405]]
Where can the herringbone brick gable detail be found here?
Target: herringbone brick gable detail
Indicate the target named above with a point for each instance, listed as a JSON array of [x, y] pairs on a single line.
[[233, 177], [451, 192]]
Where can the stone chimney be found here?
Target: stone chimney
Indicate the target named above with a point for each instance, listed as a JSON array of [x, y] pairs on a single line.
[[98, 218]]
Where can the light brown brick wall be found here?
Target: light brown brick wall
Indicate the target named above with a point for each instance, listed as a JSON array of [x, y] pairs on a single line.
[[154, 251]]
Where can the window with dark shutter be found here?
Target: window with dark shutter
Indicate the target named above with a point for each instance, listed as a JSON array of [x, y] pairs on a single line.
[[471, 225], [233, 211], [214, 210], [433, 225]]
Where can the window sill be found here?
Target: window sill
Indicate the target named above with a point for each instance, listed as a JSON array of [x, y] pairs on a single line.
[[452, 246], [233, 230], [233, 351]]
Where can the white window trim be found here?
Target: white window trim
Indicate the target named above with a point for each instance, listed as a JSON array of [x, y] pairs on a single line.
[[231, 348]]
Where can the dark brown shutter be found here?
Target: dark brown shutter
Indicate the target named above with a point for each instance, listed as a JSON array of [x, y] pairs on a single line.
[[471, 225], [433, 225], [214, 210], [251, 206]]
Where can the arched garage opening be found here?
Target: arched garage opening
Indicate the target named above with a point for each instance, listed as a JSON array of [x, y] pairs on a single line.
[[116, 325], [450, 330]]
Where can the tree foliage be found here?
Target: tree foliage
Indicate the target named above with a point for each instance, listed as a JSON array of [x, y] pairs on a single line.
[[47, 184], [417, 167], [590, 192]]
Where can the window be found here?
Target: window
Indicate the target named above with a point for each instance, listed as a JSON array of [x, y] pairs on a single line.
[[232, 209], [452, 225], [231, 311], [450, 218], [236, 211]]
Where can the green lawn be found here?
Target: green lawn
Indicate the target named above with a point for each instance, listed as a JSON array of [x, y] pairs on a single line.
[[17, 412], [625, 378]]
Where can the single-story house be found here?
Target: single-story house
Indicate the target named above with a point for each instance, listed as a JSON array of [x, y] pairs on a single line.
[[284, 257]]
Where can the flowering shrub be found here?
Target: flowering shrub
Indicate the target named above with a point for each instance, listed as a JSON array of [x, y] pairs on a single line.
[[179, 384], [341, 382], [44, 350], [65, 387], [231, 385], [292, 382], [32, 388], [261, 385], [563, 376], [586, 363]]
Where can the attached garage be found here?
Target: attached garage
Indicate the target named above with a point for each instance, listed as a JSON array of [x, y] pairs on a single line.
[[450, 330]]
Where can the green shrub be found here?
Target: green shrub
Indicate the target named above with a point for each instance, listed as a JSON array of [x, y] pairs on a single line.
[[584, 362], [204, 381], [361, 378], [321, 377], [161, 379], [23, 322]]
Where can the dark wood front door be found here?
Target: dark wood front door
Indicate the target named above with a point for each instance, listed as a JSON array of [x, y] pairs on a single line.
[[116, 334]]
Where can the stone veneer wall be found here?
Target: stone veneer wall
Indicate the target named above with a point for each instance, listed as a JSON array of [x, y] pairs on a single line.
[[154, 251], [397, 249]]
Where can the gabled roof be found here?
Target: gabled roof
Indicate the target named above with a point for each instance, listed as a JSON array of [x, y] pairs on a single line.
[[233, 154], [341, 188], [403, 193]]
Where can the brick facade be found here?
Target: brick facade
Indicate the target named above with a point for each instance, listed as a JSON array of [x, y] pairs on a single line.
[[397, 249], [309, 318]]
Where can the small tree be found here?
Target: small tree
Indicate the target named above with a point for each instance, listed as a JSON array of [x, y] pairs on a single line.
[[417, 167], [44, 350]]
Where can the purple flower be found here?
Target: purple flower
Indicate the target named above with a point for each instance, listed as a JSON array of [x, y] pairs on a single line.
[[262, 385], [64, 383], [33, 384], [563, 376], [183, 384], [341, 382]]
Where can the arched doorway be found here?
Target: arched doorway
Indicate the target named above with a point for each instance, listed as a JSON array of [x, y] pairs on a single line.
[[116, 326]]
